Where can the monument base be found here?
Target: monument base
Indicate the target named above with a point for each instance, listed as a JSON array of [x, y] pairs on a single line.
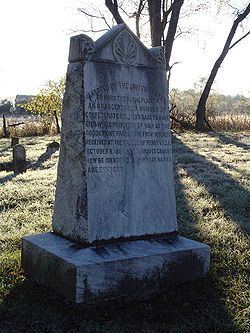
[[84, 274]]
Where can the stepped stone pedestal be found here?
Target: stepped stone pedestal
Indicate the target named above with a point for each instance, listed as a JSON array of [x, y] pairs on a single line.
[[130, 268], [114, 222]]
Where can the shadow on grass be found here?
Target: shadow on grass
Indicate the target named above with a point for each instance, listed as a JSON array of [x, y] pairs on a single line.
[[4, 149], [43, 158], [6, 179], [232, 196], [228, 140], [193, 307], [38, 164]]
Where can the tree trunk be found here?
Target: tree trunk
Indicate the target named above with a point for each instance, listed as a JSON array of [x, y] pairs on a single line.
[[57, 123], [173, 23], [154, 9], [5, 131], [112, 5], [200, 124], [137, 17]]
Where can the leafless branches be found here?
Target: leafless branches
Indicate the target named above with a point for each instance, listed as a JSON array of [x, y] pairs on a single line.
[[240, 39], [112, 5], [101, 16], [138, 13]]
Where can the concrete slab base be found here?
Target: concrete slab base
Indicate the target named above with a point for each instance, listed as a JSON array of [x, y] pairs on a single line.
[[130, 268]]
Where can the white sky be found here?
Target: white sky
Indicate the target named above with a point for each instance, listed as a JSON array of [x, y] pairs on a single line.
[[34, 40]]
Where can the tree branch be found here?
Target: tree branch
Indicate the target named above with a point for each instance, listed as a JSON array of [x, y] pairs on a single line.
[[129, 15], [176, 8], [181, 33], [165, 14], [101, 17], [81, 10], [170, 69], [86, 31], [244, 36], [112, 5], [137, 17], [105, 20]]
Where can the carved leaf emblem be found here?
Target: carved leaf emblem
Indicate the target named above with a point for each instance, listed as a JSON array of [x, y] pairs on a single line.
[[81, 48], [160, 58], [87, 47], [125, 49]]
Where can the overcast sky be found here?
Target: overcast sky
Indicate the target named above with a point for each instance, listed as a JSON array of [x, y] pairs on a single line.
[[34, 39]]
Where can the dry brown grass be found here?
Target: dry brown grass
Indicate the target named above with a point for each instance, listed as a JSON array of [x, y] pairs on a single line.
[[31, 127], [230, 122]]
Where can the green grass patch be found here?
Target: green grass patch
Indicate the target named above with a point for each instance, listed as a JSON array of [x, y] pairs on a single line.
[[212, 193]]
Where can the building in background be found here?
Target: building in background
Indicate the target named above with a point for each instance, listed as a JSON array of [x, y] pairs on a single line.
[[21, 99]]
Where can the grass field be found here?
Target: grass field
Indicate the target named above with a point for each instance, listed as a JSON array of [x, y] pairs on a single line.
[[213, 203]]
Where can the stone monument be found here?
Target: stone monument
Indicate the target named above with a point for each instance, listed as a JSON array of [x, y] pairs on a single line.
[[114, 222]]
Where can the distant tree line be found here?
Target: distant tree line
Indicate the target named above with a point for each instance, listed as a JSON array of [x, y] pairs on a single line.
[[185, 101], [48, 102], [5, 107]]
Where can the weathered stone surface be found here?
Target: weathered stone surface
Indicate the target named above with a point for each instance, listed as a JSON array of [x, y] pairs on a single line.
[[70, 210], [122, 269], [115, 174]]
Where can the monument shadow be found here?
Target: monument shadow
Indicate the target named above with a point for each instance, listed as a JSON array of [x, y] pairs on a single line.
[[6, 179], [208, 174], [193, 307], [42, 159], [228, 140]]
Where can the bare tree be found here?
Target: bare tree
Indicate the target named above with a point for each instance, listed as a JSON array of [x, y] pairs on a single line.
[[174, 11], [92, 16], [137, 15], [201, 122], [154, 10], [135, 11], [114, 9], [163, 15]]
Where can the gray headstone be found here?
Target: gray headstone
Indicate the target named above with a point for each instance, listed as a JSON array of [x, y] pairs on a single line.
[[115, 174], [19, 159]]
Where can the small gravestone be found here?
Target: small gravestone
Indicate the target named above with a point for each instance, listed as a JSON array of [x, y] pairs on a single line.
[[19, 159], [14, 141], [114, 222]]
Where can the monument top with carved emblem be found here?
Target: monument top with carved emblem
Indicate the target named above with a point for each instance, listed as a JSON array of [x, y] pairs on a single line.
[[127, 49]]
